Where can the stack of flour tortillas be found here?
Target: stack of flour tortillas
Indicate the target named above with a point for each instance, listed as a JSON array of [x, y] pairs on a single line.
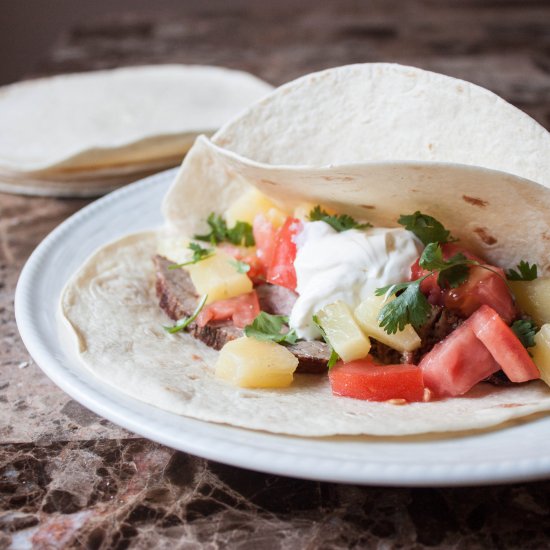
[[85, 134]]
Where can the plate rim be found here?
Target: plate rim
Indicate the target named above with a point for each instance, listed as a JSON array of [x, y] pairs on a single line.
[[225, 448]]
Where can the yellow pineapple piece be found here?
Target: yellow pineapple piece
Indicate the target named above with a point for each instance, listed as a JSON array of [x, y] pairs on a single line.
[[250, 363], [174, 248], [533, 298], [249, 205], [541, 352], [218, 277], [367, 313], [343, 332]]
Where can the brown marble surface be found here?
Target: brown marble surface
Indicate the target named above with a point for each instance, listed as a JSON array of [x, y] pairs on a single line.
[[69, 479]]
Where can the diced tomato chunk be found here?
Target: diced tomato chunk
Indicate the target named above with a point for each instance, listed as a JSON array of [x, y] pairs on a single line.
[[257, 272], [457, 363], [281, 270], [482, 287], [503, 345], [363, 379], [241, 309], [264, 235]]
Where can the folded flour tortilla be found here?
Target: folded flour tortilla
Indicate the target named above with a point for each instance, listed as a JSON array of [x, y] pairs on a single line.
[[477, 193]]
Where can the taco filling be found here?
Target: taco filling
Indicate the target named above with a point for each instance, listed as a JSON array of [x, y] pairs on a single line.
[[362, 237], [404, 313]]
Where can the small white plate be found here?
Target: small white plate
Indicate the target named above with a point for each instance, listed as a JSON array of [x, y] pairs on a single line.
[[519, 452]]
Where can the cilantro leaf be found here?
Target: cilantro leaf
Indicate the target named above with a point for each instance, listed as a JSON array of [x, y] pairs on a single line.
[[452, 272], [525, 272], [426, 228], [409, 307], [186, 321], [199, 253], [333, 355], [240, 234], [525, 331], [270, 327], [341, 222], [241, 267]]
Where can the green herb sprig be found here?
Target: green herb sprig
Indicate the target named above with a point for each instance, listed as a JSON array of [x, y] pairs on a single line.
[[186, 321], [523, 272], [241, 267], [341, 222], [334, 357], [525, 331], [240, 234], [199, 254], [269, 327], [410, 305], [426, 228]]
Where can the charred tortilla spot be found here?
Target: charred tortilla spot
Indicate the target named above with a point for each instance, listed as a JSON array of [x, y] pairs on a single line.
[[485, 236], [338, 178], [269, 182], [475, 201], [368, 206]]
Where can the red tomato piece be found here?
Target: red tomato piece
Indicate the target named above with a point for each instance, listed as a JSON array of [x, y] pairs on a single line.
[[363, 379], [257, 272], [503, 345], [281, 270], [241, 309], [264, 235], [482, 287], [457, 363]]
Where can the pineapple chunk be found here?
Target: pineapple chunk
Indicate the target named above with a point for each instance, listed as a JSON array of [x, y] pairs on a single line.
[[367, 313], [174, 248], [541, 352], [251, 363], [342, 331], [218, 277], [533, 298], [249, 205]]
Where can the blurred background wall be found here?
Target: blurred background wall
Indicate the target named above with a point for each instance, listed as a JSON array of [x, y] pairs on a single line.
[[503, 45]]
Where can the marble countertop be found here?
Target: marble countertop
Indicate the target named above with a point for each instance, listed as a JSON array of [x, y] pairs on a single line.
[[70, 479]]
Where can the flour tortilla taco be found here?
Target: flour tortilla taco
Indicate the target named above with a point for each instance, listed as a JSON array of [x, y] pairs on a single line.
[[338, 182]]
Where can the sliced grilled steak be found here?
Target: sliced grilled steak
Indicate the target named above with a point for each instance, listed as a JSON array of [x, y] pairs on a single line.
[[178, 299]]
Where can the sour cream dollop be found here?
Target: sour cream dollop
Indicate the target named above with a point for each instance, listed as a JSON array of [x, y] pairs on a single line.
[[347, 266]]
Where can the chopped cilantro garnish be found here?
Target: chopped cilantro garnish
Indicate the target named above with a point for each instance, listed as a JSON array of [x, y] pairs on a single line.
[[452, 272], [270, 327], [426, 228], [525, 272], [410, 304], [409, 307], [341, 222], [199, 253], [186, 321], [241, 267], [333, 355], [525, 331], [240, 234]]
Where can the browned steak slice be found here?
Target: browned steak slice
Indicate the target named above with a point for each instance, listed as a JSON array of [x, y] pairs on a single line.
[[177, 297]]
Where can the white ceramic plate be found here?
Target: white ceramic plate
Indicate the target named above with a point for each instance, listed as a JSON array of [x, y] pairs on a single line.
[[519, 452]]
